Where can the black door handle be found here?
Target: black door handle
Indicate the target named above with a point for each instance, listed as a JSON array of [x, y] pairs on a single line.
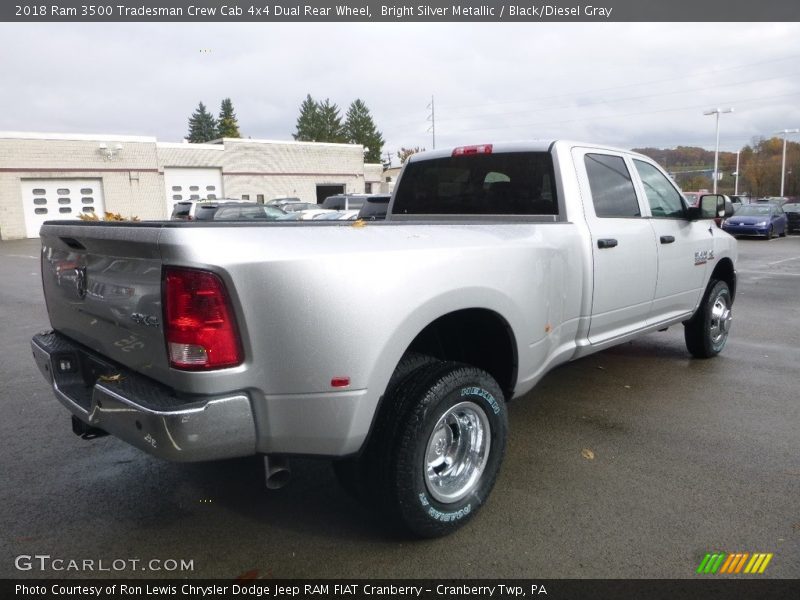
[[606, 243], [667, 239]]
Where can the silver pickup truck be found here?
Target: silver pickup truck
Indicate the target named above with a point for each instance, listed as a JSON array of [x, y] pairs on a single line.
[[391, 347]]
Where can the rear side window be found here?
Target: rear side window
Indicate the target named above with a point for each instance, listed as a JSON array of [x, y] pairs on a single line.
[[205, 213], [613, 194], [505, 183], [663, 198], [181, 209]]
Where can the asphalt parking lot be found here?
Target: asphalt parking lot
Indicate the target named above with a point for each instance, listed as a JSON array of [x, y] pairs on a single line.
[[689, 457]]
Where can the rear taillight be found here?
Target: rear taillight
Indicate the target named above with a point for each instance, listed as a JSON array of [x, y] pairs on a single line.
[[479, 149], [200, 328]]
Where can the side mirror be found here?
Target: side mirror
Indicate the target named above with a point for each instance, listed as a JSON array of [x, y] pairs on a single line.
[[713, 206]]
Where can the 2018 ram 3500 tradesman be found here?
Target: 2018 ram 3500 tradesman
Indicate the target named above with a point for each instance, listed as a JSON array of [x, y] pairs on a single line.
[[392, 347]]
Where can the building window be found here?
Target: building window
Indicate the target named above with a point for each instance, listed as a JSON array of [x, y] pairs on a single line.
[[39, 192], [65, 210], [194, 197], [212, 196], [86, 200], [88, 209], [86, 191], [176, 188], [194, 188], [63, 192], [245, 196], [368, 188], [40, 201], [64, 200], [260, 198], [40, 211], [177, 197], [210, 188]]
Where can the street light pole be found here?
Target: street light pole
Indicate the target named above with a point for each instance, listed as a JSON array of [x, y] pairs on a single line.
[[736, 180], [717, 112], [785, 132]]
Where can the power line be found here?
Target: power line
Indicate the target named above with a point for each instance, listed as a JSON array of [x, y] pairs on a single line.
[[636, 84], [613, 100], [616, 116]]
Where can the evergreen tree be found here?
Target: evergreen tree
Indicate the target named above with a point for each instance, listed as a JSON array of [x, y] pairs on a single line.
[[359, 128], [330, 123], [202, 125], [307, 128], [228, 125]]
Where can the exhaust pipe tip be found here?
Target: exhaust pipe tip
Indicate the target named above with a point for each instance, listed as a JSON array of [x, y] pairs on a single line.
[[276, 471], [86, 432]]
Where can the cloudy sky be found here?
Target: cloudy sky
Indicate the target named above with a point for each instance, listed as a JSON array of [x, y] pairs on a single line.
[[631, 85]]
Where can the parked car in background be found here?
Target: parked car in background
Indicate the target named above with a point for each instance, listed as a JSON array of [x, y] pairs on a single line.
[[345, 201], [762, 219], [291, 207], [740, 199], [336, 215], [693, 198], [307, 215], [312, 213], [375, 207], [248, 211], [792, 210], [198, 210], [182, 211], [779, 200], [282, 200]]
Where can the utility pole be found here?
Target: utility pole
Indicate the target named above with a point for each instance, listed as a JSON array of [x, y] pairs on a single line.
[[432, 119], [785, 132], [717, 112]]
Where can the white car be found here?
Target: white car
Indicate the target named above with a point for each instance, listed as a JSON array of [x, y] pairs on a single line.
[[336, 215]]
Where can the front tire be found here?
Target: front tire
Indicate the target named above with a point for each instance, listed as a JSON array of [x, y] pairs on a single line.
[[768, 235], [707, 331]]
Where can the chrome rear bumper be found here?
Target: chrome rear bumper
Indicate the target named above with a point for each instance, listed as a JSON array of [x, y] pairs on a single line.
[[142, 412]]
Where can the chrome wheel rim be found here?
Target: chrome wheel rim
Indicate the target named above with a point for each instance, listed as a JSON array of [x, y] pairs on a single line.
[[457, 452], [720, 319]]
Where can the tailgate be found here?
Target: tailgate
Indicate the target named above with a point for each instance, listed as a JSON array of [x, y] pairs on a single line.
[[102, 285]]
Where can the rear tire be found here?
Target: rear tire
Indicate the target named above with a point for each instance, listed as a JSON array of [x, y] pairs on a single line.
[[436, 449], [444, 458], [707, 331], [352, 472]]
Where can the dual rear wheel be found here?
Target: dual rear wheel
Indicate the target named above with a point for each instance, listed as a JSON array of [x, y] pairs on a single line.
[[435, 452]]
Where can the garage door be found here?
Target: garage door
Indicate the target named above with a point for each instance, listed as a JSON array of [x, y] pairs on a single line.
[[191, 184], [49, 199]]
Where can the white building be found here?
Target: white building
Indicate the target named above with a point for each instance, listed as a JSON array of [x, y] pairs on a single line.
[[47, 176]]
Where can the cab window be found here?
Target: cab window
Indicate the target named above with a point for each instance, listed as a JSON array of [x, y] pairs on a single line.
[[665, 201], [613, 194]]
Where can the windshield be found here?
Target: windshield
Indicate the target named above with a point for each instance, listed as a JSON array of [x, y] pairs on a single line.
[[298, 206], [754, 210]]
